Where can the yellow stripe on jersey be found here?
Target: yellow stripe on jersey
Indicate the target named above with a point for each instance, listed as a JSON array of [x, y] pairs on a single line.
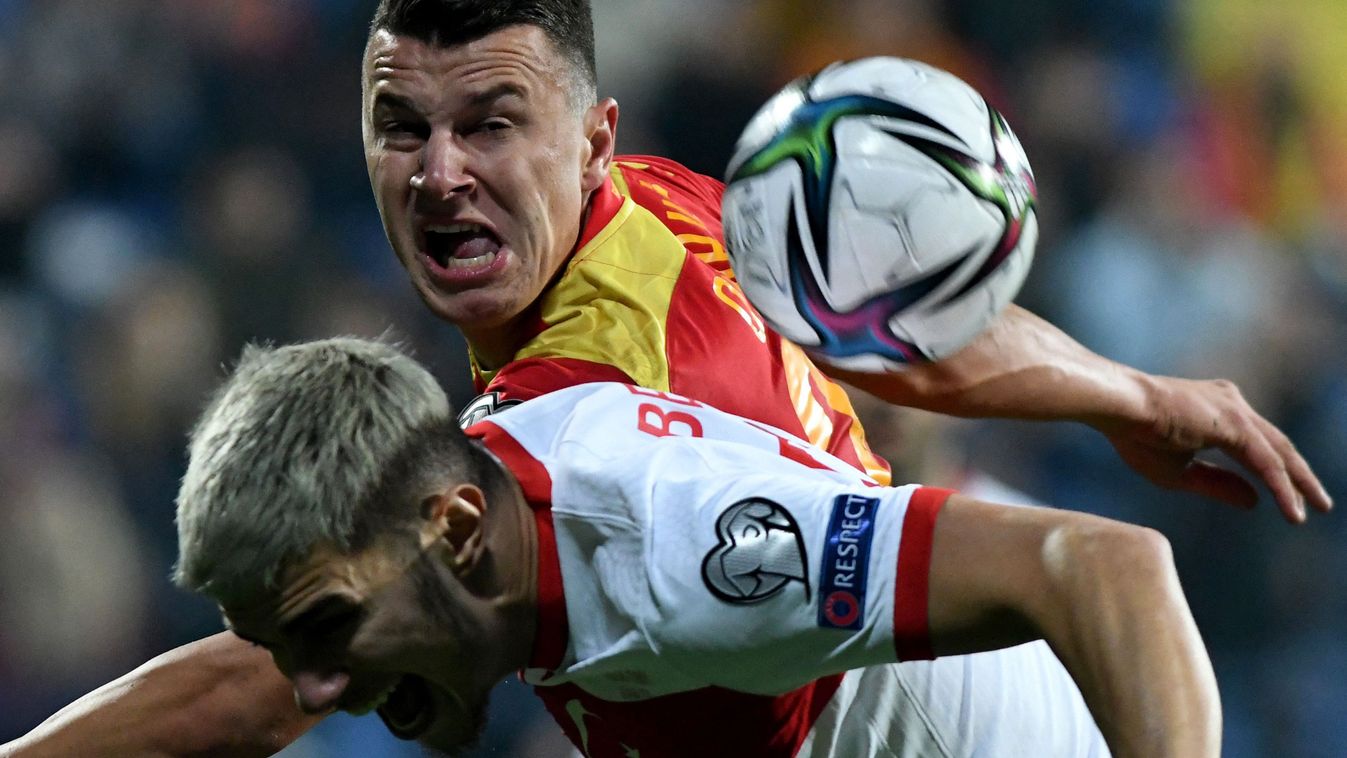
[[802, 376], [612, 304], [620, 181], [818, 428], [837, 398]]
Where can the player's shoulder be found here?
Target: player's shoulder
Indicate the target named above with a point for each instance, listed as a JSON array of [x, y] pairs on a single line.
[[636, 172], [544, 421], [617, 418]]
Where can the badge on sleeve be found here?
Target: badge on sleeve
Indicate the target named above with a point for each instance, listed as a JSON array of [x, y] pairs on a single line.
[[846, 562], [483, 406], [761, 550]]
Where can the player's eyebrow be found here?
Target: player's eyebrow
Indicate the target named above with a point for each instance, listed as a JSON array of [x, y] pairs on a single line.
[[498, 92], [389, 101]]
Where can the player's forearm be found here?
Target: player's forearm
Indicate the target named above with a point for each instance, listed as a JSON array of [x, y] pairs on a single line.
[[1020, 367], [1117, 618], [1106, 598], [219, 696]]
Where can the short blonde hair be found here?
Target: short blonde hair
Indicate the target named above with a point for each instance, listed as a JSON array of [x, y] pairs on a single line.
[[287, 453]]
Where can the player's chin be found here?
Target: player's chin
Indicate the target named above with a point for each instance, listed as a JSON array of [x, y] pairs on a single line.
[[486, 307], [432, 715]]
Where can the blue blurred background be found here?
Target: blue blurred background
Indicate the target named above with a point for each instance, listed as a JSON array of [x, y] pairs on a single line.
[[177, 178]]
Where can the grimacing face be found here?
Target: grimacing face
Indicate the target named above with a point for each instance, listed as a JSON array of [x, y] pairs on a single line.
[[481, 164], [353, 633]]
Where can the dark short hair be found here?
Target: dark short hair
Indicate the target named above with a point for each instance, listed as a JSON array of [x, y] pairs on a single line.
[[434, 454], [568, 23]]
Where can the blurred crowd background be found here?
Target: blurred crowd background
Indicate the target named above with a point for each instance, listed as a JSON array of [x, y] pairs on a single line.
[[178, 178]]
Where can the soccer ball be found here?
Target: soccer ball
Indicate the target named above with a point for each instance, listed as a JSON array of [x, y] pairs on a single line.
[[879, 213]]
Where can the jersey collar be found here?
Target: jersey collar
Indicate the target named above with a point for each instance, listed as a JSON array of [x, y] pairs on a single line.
[[604, 205]]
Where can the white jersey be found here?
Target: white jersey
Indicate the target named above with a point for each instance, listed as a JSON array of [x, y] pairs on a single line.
[[704, 580]]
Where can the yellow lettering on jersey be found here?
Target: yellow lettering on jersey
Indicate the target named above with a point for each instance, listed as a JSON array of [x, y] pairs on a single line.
[[733, 297], [713, 250], [678, 214], [716, 253], [676, 211], [658, 189]]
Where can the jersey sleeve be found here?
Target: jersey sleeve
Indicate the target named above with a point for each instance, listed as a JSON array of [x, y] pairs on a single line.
[[782, 575], [528, 378], [707, 190], [702, 549]]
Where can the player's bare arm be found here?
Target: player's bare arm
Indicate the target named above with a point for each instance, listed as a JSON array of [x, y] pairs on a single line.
[[1024, 367], [1106, 598], [219, 696]]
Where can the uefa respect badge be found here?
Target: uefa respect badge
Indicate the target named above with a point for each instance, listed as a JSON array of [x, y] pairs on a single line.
[[846, 562]]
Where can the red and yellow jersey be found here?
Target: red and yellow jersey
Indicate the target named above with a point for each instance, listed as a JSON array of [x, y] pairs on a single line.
[[648, 298]]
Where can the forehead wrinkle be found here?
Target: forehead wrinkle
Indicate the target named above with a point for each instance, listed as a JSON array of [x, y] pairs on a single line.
[[309, 589], [356, 579], [391, 59]]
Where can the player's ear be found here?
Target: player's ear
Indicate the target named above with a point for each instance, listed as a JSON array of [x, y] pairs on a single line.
[[455, 516], [600, 125]]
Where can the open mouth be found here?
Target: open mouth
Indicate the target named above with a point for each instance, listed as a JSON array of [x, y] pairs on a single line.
[[460, 246], [408, 709]]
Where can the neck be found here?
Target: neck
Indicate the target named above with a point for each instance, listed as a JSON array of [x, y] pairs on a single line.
[[494, 346]]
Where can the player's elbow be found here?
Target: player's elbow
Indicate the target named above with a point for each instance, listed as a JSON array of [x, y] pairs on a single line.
[[1101, 543], [1094, 557], [1118, 619]]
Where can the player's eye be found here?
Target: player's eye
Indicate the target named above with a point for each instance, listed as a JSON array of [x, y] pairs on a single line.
[[495, 127], [403, 131]]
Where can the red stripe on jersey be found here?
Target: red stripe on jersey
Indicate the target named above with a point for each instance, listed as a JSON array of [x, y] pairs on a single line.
[[708, 722], [911, 596], [532, 475], [531, 377], [793, 449], [793, 452], [603, 206], [554, 626], [549, 645]]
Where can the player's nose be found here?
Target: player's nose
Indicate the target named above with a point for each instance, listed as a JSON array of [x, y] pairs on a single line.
[[319, 691], [444, 170]]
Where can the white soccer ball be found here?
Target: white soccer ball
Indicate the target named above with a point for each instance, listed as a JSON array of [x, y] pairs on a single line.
[[879, 213]]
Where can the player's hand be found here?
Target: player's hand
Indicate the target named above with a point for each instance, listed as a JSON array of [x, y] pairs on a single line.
[[1185, 416]]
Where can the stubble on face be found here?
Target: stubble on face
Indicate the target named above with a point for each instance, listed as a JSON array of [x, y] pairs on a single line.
[[484, 133]]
